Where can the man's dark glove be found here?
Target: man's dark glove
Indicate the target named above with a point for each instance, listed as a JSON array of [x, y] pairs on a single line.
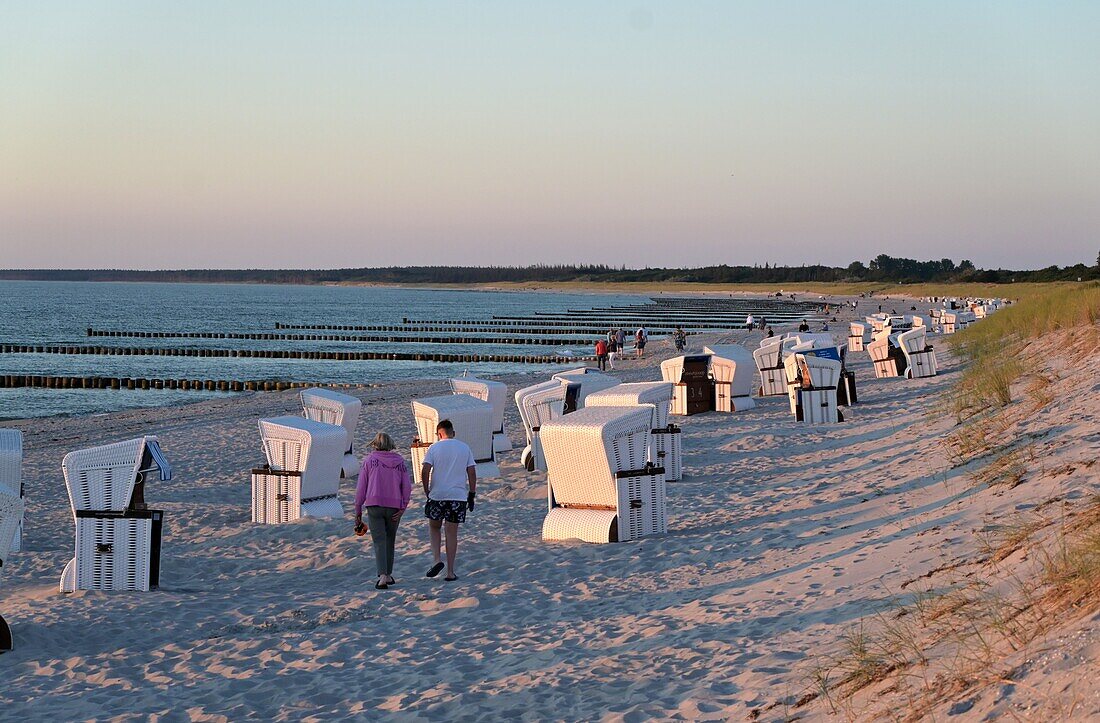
[[470, 501]]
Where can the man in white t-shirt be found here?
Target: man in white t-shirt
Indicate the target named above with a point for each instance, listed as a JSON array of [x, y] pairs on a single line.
[[449, 477], [750, 322]]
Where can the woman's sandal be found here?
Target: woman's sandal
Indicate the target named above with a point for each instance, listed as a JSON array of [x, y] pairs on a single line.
[[450, 579], [436, 569], [380, 585]]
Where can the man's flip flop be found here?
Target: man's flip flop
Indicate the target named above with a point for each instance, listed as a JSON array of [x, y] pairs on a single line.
[[451, 579], [436, 569]]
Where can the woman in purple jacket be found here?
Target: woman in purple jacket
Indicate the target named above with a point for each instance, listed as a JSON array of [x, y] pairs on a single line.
[[384, 488]]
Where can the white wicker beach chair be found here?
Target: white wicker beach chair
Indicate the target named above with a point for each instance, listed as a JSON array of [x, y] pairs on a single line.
[[302, 476], [473, 422], [693, 387], [539, 404], [496, 394], [859, 335], [773, 381], [818, 402], [11, 476], [919, 355], [590, 380], [600, 486], [11, 517], [884, 357], [731, 368], [665, 448], [949, 322], [325, 405], [117, 536]]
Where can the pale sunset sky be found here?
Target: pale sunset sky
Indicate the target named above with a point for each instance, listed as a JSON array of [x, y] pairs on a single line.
[[338, 134]]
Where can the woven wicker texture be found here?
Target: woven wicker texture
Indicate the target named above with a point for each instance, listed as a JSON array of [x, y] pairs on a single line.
[[11, 477], [316, 449], [102, 478], [922, 364], [11, 515], [472, 419], [276, 498], [325, 405], [732, 367], [112, 553], [584, 451], [495, 393], [772, 382], [584, 525], [819, 371], [591, 381], [539, 404], [818, 406], [658, 394], [666, 451]]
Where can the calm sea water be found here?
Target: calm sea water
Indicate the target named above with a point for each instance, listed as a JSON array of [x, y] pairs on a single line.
[[60, 312]]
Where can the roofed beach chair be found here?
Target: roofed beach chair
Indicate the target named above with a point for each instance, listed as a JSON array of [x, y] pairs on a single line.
[[496, 394], [539, 404], [693, 387], [325, 405], [472, 419], [11, 476], [919, 355], [600, 486], [859, 335], [590, 380], [818, 400], [11, 517], [302, 475], [769, 363], [666, 448], [731, 368], [888, 359], [117, 536], [950, 322]]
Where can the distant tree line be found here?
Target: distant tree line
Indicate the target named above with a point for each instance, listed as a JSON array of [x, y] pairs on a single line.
[[882, 268]]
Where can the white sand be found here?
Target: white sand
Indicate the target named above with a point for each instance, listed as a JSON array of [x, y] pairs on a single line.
[[781, 538]]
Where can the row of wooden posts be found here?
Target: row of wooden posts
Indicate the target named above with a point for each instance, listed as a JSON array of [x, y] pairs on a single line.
[[266, 336], [287, 354], [15, 381]]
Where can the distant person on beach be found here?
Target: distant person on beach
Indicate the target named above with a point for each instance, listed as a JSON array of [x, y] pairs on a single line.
[[449, 478], [385, 488], [750, 322], [770, 333], [612, 348], [641, 336], [679, 338], [803, 326], [620, 340], [601, 354]]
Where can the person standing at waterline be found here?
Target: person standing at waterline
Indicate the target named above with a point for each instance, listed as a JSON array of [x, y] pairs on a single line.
[[385, 488], [449, 477]]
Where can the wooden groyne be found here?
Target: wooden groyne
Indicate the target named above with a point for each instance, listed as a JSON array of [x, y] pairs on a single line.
[[289, 354], [16, 381], [269, 336]]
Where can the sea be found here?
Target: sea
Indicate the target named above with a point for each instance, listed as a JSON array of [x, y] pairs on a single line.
[[60, 312]]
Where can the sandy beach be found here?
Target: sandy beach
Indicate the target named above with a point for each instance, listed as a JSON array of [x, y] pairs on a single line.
[[782, 539]]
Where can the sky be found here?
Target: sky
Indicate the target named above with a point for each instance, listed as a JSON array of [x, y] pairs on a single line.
[[345, 134]]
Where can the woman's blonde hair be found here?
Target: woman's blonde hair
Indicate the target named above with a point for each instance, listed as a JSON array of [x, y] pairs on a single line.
[[382, 442]]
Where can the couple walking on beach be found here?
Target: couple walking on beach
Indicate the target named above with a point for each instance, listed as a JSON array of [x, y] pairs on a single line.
[[449, 478]]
